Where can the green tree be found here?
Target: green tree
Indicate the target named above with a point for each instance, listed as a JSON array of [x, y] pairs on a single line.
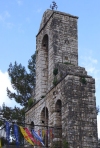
[[12, 114], [23, 82]]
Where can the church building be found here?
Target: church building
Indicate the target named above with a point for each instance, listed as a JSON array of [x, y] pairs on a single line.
[[64, 93]]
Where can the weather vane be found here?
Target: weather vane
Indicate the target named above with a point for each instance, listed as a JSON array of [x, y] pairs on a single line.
[[54, 5]]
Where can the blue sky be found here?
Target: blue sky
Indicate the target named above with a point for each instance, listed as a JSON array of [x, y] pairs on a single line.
[[19, 24]]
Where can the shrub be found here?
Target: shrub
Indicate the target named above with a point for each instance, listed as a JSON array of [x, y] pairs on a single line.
[[55, 71]]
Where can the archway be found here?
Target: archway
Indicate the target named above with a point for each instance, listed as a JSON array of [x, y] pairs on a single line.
[[44, 62], [32, 125], [44, 122], [44, 116], [58, 124], [45, 42], [58, 110]]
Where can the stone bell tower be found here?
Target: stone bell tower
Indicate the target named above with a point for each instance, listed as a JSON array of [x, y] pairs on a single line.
[[56, 42], [65, 99]]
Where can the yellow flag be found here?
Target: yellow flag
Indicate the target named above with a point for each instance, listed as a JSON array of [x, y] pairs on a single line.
[[0, 142], [43, 133], [25, 135]]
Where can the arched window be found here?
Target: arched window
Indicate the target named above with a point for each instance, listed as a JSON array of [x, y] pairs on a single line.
[[44, 63], [44, 121], [45, 42], [58, 106], [31, 126], [44, 116], [58, 123]]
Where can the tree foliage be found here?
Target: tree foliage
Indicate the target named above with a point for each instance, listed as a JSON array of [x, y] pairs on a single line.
[[11, 114], [22, 81]]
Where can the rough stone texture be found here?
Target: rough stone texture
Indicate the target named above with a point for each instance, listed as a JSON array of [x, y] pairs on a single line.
[[71, 104], [61, 29]]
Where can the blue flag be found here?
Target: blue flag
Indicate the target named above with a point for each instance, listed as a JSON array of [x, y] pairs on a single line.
[[16, 134], [37, 137], [7, 132]]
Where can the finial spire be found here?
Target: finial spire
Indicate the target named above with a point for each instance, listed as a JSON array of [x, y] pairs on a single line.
[[54, 5]]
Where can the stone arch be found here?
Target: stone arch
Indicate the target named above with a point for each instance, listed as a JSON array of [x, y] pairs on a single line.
[[45, 42], [44, 60], [44, 122], [44, 116], [58, 110], [32, 124], [58, 123]]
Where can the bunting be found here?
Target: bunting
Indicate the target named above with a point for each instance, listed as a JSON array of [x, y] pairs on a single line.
[[7, 131], [0, 143], [51, 134], [43, 133], [30, 135], [16, 134], [26, 135], [37, 137]]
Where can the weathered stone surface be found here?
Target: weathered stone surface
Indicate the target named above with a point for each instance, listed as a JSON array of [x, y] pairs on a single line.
[[69, 95]]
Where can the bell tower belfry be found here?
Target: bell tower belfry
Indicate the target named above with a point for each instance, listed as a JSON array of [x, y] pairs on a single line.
[[56, 42], [65, 99]]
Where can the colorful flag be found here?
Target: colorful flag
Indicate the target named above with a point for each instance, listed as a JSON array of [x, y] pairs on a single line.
[[16, 134], [43, 133], [40, 134], [47, 132], [7, 131], [26, 135], [51, 134], [37, 137], [30, 135], [0, 143]]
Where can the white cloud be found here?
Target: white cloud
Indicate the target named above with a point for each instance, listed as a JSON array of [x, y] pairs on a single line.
[[20, 28], [19, 2], [28, 20], [4, 16], [39, 10], [98, 119], [9, 25], [92, 66], [4, 83]]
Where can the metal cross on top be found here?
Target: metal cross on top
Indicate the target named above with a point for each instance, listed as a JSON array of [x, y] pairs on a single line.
[[54, 5]]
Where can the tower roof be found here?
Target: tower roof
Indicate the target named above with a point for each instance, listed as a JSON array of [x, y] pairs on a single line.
[[48, 14]]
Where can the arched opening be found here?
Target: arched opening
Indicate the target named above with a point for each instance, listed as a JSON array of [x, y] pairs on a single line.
[[44, 116], [32, 125], [44, 122], [58, 124], [45, 42], [44, 62], [58, 107]]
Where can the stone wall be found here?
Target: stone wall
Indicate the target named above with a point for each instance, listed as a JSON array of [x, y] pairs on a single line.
[[67, 97], [78, 112], [61, 29]]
